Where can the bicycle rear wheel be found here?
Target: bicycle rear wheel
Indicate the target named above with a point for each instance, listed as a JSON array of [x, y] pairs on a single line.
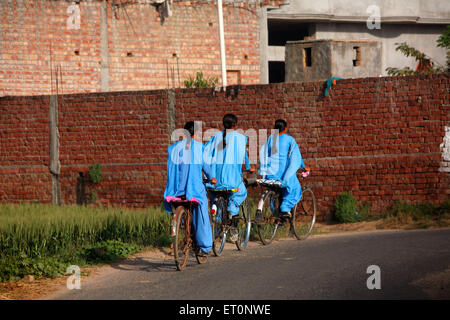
[[218, 219], [182, 241], [267, 229], [303, 215], [200, 258], [244, 226]]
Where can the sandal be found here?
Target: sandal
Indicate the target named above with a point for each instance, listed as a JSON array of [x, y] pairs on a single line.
[[286, 215], [201, 253], [258, 216]]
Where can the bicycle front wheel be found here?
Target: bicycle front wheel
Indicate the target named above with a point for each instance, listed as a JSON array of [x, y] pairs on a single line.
[[244, 226], [303, 215], [218, 220], [182, 242], [268, 227]]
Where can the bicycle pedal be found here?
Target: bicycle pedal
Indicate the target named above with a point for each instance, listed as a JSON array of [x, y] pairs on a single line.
[[234, 235]]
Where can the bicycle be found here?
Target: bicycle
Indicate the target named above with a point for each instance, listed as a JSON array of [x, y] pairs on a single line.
[[221, 223], [303, 215], [183, 231]]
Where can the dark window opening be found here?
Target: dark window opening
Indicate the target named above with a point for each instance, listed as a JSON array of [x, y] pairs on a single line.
[[276, 71], [307, 58], [281, 31], [357, 55], [81, 189]]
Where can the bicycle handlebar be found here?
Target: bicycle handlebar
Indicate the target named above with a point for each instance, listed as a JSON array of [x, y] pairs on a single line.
[[206, 180]]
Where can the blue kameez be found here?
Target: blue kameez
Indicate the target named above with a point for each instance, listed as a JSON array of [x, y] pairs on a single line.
[[226, 166], [184, 178], [280, 160]]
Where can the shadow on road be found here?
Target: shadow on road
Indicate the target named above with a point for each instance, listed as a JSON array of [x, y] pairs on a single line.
[[146, 264]]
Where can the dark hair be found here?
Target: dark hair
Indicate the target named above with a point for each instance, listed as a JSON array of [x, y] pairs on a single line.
[[190, 127], [229, 121], [280, 124]]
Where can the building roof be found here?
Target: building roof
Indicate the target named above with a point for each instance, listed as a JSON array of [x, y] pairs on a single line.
[[399, 11]]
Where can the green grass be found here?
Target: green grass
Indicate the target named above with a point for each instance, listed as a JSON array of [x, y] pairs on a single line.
[[44, 239], [423, 215]]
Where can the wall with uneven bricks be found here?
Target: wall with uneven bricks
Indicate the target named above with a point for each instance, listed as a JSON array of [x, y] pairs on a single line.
[[139, 51], [381, 138]]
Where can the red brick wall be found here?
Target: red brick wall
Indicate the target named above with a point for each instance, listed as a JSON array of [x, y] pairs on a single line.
[[24, 148], [377, 137], [143, 53], [126, 133]]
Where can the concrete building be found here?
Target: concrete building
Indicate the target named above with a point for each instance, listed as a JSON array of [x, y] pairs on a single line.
[[315, 60], [417, 22]]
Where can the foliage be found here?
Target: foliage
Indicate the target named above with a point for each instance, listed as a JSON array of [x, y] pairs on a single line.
[[43, 239], [402, 210], [347, 208], [425, 64], [17, 267], [200, 81], [95, 173], [444, 42], [93, 196], [444, 39], [109, 250]]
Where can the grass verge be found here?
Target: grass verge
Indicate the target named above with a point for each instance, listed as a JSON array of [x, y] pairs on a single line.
[[43, 240]]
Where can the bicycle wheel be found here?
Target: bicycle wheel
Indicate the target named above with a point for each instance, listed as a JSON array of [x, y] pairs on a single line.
[[200, 259], [303, 215], [218, 219], [244, 226], [182, 242], [270, 221]]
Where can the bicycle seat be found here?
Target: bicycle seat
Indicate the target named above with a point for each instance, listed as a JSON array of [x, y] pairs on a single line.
[[181, 200], [271, 184]]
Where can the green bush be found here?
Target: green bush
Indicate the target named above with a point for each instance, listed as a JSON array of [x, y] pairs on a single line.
[[109, 250], [200, 81], [16, 267], [95, 173], [349, 210]]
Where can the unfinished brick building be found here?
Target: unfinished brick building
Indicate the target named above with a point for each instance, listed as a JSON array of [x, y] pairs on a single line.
[[117, 45]]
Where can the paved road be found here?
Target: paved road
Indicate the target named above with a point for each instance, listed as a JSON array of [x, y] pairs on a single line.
[[413, 264]]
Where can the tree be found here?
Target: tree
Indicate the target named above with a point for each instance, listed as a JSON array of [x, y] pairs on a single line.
[[425, 64], [444, 42]]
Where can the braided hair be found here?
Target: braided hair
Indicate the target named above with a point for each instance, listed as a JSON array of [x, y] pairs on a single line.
[[229, 121], [280, 125], [190, 128]]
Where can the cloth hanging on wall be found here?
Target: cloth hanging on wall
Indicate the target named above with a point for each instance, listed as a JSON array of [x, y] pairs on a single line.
[[164, 8]]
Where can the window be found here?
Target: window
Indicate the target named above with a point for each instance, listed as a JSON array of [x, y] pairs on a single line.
[[356, 56], [307, 59]]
